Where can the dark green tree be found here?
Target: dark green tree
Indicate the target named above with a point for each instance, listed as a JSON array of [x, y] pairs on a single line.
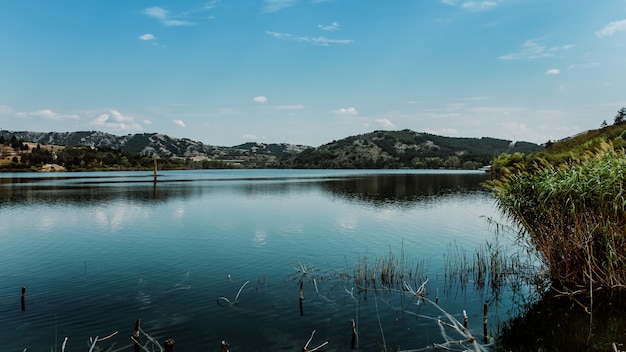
[[620, 118]]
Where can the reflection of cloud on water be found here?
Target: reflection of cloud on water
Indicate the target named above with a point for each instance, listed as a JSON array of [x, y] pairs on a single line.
[[179, 213], [259, 237], [384, 214], [114, 218], [109, 219], [347, 225], [144, 300]]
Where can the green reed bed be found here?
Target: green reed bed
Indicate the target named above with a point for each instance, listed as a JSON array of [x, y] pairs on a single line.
[[573, 216], [387, 271], [494, 266]]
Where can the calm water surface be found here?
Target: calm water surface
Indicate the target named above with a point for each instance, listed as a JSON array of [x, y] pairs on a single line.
[[96, 251]]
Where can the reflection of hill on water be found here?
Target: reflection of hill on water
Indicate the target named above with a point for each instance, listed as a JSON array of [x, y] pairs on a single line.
[[369, 188], [402, 188]]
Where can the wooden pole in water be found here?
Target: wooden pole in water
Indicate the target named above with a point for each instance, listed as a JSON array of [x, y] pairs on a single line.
[[224, 347], [136, 335], [355, 339], [155, 170], [486, 337], [301, 299], [23, 298], [169, 345]]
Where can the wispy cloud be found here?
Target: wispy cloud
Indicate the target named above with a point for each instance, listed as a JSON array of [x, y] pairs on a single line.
[[180, 123], [277, 5], [532, 50], [475, 6], [612, 28], [346, 111], [147, 36], [6, 108], [472, 6], [117, 121], [329, 27], [202, 9], [553, 71], [385, 123], [48, 115], [164, 17], [323, 41], [260, 99]]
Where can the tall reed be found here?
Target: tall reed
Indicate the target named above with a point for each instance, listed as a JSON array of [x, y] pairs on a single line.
[[574, 216]]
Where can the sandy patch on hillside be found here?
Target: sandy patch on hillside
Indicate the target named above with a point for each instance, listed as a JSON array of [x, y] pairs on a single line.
[[52, 167]]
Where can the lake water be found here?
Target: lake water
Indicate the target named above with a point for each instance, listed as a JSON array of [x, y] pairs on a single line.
[[96, 251]]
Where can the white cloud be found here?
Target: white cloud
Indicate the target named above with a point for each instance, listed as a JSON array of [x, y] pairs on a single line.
[[163, 15], [147, 122], [147, 36], [119, 117], [532, 50], [249, 137], [330, 27], [472, 6], [260, 99], [323, 41], [156, 12], [443, 131], [346, 111], [5, 108], [277, 5], [180, 123], [478, 5], [553, 71], [48, 115], [386, 123], [612, 28], [117, 121]]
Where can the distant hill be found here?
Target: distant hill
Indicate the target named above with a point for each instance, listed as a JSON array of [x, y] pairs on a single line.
[[406, 149], [378, 149], [156, 145]]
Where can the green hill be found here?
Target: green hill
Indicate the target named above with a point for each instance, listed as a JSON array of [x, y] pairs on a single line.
[[406, 149], [571, 149]]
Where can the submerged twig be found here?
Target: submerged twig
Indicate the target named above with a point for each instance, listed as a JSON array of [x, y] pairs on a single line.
[[236, 297], [306, 346]]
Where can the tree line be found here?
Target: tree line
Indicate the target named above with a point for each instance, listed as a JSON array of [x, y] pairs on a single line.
[[86, 158]]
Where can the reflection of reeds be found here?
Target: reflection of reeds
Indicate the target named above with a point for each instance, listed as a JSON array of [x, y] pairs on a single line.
[[540, 318]]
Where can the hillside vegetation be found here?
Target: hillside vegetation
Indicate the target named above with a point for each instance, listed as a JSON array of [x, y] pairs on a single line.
[[406, 149], [379, 149], [566, 151]]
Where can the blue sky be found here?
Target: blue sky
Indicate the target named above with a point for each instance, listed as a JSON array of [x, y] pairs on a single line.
[[225, 72]]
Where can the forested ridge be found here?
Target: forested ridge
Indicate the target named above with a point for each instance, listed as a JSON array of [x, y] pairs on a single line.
[[375, 150]]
